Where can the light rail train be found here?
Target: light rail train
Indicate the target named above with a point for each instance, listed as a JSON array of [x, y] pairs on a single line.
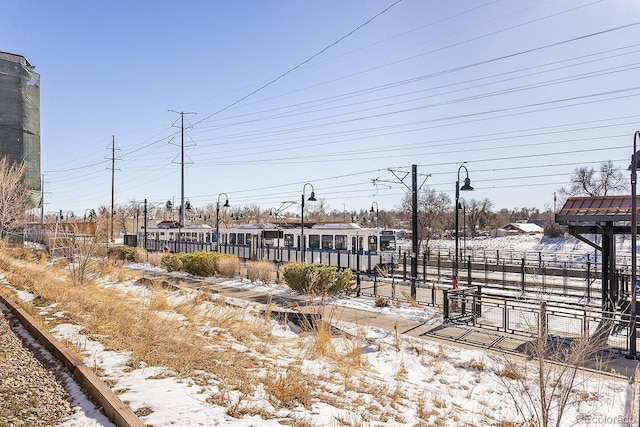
[[340, 244]]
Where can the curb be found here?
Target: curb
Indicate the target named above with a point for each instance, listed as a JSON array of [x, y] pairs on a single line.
[[119, 413]]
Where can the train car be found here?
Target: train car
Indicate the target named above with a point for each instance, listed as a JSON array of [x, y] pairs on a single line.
[[340, 244], [168, 235]]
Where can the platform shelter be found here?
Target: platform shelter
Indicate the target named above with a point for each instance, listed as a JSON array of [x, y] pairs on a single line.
[[607, 216]]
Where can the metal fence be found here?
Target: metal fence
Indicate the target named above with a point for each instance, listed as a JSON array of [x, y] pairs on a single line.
[[531, 317], [517, 299]]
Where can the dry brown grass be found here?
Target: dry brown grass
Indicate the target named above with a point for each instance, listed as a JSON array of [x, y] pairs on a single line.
[[323, 340], [513, 370], [228, 267], [381, 302], [411, 301], [195, 335], [263, 271], [289, 389]]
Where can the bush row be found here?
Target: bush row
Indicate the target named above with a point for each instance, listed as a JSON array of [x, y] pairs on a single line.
[[307, 279], [204, 264]]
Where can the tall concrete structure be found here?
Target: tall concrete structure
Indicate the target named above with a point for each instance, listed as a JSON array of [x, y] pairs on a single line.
[[20, 117]]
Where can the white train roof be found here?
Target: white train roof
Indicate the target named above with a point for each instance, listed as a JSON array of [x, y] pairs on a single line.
[[337, 226]]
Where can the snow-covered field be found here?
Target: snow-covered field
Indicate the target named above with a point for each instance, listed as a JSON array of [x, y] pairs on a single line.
[[435, 383]]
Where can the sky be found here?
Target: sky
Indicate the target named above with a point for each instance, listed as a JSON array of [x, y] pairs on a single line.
[[343, 96], [459, 385]]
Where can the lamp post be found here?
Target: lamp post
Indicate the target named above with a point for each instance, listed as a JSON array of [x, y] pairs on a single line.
[[376, 211], [466, 187], [273, 213], [226, 205], [312, 198], [634, 235], [464, 228]]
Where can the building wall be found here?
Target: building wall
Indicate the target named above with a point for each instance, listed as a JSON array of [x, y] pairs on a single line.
[[20, 116]]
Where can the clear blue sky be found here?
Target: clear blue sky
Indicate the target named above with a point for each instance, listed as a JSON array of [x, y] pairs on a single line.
[[523, 91]]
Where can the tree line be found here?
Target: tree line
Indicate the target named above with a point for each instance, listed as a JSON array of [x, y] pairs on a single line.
[[436, 211]]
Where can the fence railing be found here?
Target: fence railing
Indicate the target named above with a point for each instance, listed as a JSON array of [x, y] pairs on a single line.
[[531, 317]]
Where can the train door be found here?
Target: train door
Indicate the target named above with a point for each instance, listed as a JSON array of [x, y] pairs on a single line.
[[357, 244], [253, 246]]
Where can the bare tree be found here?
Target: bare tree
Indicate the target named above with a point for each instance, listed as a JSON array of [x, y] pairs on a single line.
[[14, 197], [433, 213], [478, 214], [586, 181]]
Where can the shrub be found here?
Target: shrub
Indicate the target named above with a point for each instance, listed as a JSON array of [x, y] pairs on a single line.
[[260, 270], [172, 262], [318, 279], [203, 264], [124, 253]]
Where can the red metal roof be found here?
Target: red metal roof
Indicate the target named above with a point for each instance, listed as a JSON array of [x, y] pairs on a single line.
[[599, 208]]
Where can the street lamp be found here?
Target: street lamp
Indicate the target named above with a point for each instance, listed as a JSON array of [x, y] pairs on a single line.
[[226, 205], [466, 187], [312, 198], [376, 211]]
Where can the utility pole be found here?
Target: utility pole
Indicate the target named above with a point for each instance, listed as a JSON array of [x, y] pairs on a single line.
[[146, 249], [113, 181], [414, 229], [414, 219], [181, 213]]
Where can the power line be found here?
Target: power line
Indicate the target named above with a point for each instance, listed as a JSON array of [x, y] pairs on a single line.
[[289, 71]]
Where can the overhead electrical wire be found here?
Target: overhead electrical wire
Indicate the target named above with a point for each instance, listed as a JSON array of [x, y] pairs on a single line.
[[316, 103], [290, 70]]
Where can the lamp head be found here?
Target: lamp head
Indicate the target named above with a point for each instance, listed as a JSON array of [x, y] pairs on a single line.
[[467, 185], [372, 210], [226, 204], [637, 161], [312, 197]]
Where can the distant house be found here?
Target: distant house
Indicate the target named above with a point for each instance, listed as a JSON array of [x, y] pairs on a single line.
[[515, 228]]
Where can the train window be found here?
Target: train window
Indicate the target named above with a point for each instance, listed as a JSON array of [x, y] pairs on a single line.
[[341, 241], [240, 237], [314, 241], [247, 238], [288, 239], [171, 235], [232, 238], [387, 243], [373, 243], [271, 234], [327, 241]]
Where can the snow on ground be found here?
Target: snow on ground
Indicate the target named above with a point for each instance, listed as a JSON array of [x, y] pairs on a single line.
[[438, 384]]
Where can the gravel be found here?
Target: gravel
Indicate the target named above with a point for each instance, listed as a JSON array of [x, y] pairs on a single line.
[[31, 390]]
